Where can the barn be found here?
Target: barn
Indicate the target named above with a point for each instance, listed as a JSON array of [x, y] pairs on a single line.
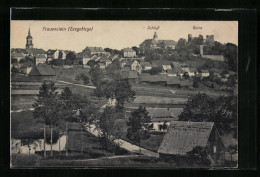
[[182, 137], [42, 72]]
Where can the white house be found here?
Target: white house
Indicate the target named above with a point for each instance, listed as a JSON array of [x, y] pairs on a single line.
[[134, 65]]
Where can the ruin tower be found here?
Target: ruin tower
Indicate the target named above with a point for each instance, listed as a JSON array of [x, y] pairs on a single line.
[[189, 38], [29, 44]]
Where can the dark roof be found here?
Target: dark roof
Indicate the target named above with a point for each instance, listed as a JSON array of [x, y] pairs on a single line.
[[51, 52], [164, 112], [40, 56], [186, 83], [204, 71], [15, 55], [173, 81], [144, 63], [183, 136], [35, 51], [28, 63], [193, 70], [128, 50], [159, 78], [129, 63], [145, 77], [95, 49], [125, 69], [176, 64], [18, 50], [42, 70], [129, 74]]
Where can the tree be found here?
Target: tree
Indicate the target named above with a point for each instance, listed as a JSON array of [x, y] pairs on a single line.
[[14, 60], [96, 75], [136, 49], [71, 56], [47, 107], [14, 69], [57, 62], [91, 63], [122, 92], [221, 110], [110, 131], [155, 70], [230, 55], [139, 125]]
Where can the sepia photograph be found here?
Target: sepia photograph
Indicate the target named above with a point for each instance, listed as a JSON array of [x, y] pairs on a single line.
[[123, 94]]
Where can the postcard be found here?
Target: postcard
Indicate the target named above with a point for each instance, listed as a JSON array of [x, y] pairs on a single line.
[[132, 94]]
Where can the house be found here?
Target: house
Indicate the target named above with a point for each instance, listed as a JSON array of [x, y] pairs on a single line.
[[85, 59], [175, 64], [193, 72], [32, 52], [145, 78], [178, 71], [131, 76], [204, 73], [172, 73], [102, 65], [94, 51], [112, 57], [159, 79], [134, 65], [52, 54], [40, 58], [165, 68], [128, 52], [17, 56], [42, 72], [173, 82], [146, 65], [223, 79], [155, 43], [19, 50], [183, 136]]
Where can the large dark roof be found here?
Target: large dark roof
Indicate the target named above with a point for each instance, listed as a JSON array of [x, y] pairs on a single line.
[[183, 136], [42, 70], [18, 50], [35, 51]]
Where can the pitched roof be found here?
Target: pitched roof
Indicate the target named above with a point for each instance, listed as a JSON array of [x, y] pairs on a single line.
[[129, 62], [129, 74], [204, 71], [159, 78], [178, 70], [145, 77], [176, 64], [173, 81], [167, 42], [166, 67], [128, 50], [40, 56], [94, 49], [144, 63], [125, 69], [183, 136], [51, 52], [42, 70], [15, 55], [164, 112], [28, 63], [18, 50], [186, 83], [35, 51], [193, 70]]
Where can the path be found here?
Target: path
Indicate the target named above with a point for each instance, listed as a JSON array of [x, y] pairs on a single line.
[[70, 83], [124, 144], [110, 157]]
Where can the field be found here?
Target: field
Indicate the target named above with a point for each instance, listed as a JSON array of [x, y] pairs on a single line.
[[69, 75]]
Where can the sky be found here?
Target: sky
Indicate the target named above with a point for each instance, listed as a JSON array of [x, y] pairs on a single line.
[[115, 34]]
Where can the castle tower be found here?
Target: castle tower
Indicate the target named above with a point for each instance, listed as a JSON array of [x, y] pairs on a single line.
[[189, 38], [155, 37], [29, 44]]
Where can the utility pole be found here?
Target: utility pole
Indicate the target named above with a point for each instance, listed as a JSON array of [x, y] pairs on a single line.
[[51, 140], [44, 140], [67, 142]]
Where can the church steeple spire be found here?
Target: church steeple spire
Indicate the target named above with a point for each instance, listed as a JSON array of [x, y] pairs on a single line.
[[29, 44]]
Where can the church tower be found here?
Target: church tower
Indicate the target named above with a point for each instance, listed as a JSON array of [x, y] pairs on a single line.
[[29, 44]]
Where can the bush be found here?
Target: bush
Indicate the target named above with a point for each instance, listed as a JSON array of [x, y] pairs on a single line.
[[24, 160]]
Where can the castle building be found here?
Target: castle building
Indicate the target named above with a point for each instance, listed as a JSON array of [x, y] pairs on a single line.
[[29, 44], [155, 43]]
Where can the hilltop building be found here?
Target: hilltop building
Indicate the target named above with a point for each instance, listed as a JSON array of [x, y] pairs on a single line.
[[155, 43]]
